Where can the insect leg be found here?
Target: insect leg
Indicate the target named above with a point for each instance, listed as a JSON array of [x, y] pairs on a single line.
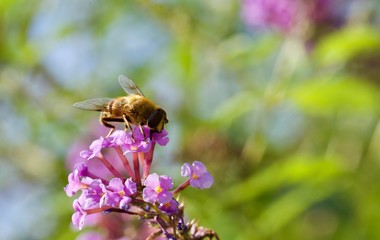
[[126, 122], [107, 124], [141, 130]]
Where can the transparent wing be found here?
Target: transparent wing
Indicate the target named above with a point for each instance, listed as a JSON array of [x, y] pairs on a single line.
[[129, 86], [96, 104]]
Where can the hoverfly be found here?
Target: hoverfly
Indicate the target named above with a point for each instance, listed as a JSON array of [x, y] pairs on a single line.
[[134, 108]]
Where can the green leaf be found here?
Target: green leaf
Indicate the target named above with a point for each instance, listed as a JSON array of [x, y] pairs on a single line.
[[325, 96], [342, 45], [287, 207], [295, 170]]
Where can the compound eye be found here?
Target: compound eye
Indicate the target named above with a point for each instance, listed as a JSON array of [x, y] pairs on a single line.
[[156, 117]]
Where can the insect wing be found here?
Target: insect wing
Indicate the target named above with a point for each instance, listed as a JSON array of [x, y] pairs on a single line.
[[129, 86], [96, 104]]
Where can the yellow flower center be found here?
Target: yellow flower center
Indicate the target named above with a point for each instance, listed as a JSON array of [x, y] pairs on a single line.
[[158, 189], [194, 176], [167, 205]]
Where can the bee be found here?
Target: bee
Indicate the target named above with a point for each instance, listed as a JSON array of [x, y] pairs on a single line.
[[134, 109]]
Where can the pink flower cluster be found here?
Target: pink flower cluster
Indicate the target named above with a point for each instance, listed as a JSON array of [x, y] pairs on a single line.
[[147, 195], [284, 15]]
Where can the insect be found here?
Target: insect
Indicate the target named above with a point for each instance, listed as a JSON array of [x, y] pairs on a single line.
[[134, 109]]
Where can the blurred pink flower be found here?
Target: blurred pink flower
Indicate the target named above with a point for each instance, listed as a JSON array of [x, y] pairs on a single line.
[[97, 167], [269, 13], [284, 15]]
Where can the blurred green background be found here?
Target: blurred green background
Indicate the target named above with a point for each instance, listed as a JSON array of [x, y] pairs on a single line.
[[286, 121]]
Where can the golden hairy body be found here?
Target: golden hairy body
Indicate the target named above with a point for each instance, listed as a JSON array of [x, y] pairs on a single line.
[[136, 109], [133, 109]]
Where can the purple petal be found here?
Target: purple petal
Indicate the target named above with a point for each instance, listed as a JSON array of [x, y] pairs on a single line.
[[149, 195], [163, 141], [144, 146], [73, 186], [199, 168], [164, 197], [94, 193], [86, 154], [95, 148], [79, 216], [124, 203], [146, 130], [137, 134], [82, 198], [116, 185], [199, 177], [81, 169], [111, 199], [92, 202], [78, 220], [166, 182], [97, 186], [206, 181], [161, 138], [97, 145], [170, 207], [186, 170], [139, 146], [130, 187], [195, 183], [152, 180], [120, 138]]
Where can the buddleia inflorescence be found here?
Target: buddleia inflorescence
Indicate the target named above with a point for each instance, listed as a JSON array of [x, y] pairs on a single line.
[[134, 190]]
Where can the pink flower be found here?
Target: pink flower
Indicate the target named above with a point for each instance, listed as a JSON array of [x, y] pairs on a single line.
[[161, 138], [95, 148], [198, 175], [270, 13], [170, 207], [285, 14], [75, 183], [157, 188], [118, 193], [79, 215]]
